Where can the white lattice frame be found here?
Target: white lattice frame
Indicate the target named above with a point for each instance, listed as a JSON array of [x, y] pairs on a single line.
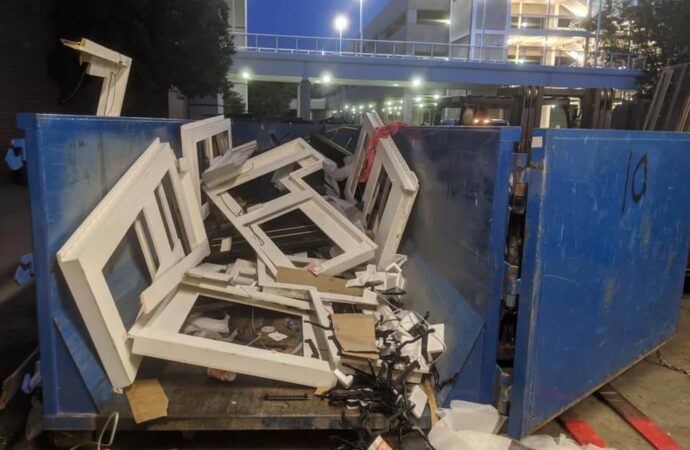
[[357, 247], [85, 254], [404, 186]]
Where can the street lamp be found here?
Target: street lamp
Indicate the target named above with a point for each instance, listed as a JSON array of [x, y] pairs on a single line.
[[361, 34], [340, 24]]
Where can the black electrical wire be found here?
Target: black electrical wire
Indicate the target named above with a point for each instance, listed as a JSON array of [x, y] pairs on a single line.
[[64, 100]]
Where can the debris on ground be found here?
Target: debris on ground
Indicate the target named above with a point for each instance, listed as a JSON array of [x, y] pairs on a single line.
[[474, 426]]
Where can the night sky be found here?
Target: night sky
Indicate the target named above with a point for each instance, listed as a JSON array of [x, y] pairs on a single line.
[[308, 17]]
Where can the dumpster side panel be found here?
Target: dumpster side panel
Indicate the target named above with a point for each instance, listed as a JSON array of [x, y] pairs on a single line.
[[603, 265], [457, 233], [73, 161]]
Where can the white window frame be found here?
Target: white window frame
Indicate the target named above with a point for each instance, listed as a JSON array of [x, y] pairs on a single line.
[[85, 254], [357, 247], [191, 134], [158, 335], [404, 185]]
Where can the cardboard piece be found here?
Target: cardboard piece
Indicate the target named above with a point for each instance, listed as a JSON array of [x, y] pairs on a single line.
[[355, 332], [147, 400], [321, 391], [322, 282], [433, 406], [361, 355]]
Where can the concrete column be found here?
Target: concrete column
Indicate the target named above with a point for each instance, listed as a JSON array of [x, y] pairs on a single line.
[[241, 88], [407, 107], [304, 99]]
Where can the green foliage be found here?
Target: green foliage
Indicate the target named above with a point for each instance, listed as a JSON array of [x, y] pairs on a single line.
[[269, 99], [656, 30], [173, 43], [233, 102]]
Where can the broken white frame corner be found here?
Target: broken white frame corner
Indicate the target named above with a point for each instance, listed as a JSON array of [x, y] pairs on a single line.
[[140, 192], [389, 224], [108, 64]]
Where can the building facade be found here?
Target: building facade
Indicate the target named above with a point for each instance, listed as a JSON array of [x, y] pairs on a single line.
[[548, 32], [410, 20]]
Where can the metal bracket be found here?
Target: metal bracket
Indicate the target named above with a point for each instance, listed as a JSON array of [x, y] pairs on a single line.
[[25, 270], [15, 158], [505, 383], [519, 183], [511, 285]]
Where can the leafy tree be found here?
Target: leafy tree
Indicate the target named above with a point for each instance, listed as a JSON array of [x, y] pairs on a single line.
[[656, 30], [232, 101], [269, 99], [173, 43]]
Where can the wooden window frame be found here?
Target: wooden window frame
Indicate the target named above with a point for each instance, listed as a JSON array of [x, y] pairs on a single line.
[[85, 254], [404, 185], [158, 334], [193, 133], [357, 247]]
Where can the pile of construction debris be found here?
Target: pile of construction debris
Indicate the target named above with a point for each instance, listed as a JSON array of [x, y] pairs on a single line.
[[279, 264]]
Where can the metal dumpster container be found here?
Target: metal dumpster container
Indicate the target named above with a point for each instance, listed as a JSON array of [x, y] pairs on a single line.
[[590, 246], [602, 227]]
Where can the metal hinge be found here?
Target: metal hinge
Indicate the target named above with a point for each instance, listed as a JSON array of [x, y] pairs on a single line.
[[511, 285], [519, 182]]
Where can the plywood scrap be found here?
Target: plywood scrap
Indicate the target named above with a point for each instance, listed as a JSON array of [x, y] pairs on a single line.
[[147, 400], [355, 332], [322, 282]]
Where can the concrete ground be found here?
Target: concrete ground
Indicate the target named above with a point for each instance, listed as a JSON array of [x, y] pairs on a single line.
[[662, 394]]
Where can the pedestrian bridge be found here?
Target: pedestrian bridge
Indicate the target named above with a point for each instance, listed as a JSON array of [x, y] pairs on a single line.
[[409, 64]]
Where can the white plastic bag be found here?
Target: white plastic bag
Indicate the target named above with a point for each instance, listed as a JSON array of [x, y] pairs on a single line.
[[468, 426]]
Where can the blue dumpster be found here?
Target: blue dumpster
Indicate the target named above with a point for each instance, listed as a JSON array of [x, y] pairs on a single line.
[[604, 244]]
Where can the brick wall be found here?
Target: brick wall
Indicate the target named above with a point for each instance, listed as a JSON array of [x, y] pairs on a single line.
[[26, 38]]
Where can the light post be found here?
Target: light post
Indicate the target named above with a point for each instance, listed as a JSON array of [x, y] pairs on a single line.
[[340, 24], [361, 33], [483, 50]]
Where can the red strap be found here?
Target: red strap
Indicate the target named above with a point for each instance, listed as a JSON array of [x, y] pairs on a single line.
[[583, 433], [637, 419], [386, 131]]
